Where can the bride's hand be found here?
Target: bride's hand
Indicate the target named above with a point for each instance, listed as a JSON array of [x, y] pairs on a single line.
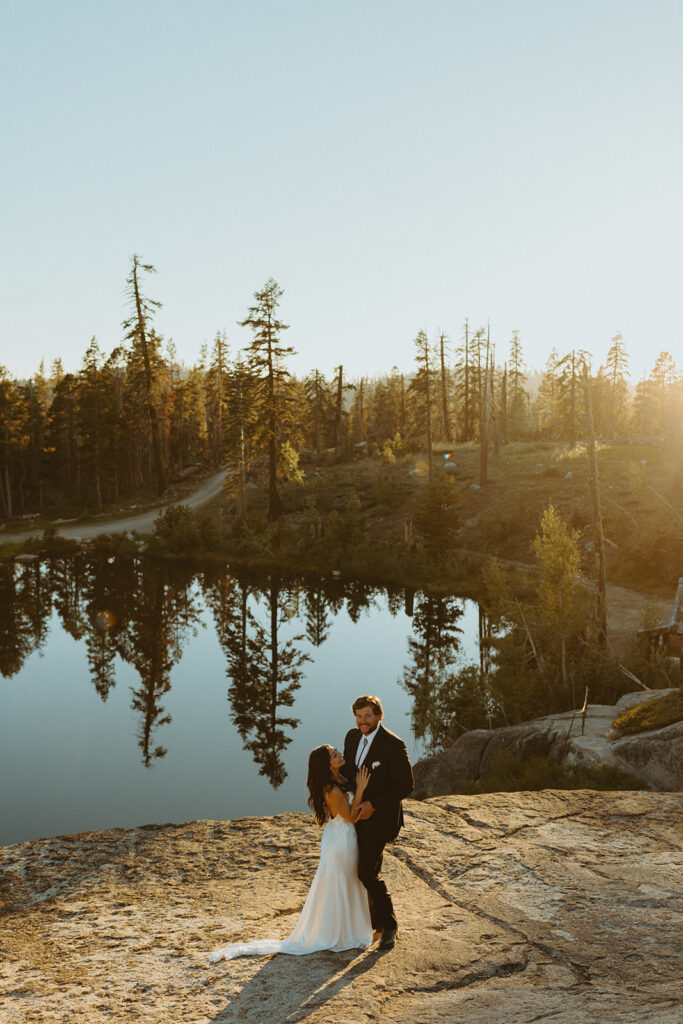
[[362, 779]]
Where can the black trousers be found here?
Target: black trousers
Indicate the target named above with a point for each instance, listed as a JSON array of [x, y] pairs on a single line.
[[371, 845]]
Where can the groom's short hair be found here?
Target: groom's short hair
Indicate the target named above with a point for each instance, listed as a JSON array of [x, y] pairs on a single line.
[[368, 702]]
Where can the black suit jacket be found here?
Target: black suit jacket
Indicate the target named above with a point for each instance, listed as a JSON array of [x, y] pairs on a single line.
[[391, 778]]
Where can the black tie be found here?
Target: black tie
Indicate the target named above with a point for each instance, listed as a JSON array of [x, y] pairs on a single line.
[[361, 751]]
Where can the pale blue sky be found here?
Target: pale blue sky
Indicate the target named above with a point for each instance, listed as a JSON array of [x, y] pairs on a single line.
[[394, 165]]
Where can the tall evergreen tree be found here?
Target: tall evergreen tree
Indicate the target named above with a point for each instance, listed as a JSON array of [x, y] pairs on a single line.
[[216, 382], [11, 432], [64, 438], [320, 410], [92, 427], [547, 404], [145, 358], [36, 394], [422, 387], [570, 383], [616, 373], [389, 406], [517, 397], [658, 398], [266, 355]]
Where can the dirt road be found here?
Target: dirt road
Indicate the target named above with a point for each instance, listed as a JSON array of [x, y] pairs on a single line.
[[142, 522]]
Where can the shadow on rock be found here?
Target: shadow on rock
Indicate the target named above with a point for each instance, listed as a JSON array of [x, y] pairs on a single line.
[[289, 988]]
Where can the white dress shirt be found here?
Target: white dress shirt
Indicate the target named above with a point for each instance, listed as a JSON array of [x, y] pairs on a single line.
[[362, 752]]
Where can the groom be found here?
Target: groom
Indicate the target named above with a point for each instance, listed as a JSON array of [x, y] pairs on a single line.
[[380, 814]]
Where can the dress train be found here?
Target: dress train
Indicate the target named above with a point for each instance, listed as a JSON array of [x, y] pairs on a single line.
[[336, 913]]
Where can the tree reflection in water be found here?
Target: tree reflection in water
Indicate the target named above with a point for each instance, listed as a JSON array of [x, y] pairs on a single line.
[[25, 607], [116, 605], [128, 608], [162, 614], [434, 647], [318, 620], [264, 670]]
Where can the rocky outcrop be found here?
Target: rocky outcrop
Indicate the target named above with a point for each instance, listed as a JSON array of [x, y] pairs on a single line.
[[656, 757], [514, 907]]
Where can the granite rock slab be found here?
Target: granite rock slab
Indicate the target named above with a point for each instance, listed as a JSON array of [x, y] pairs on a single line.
[[512, 907]]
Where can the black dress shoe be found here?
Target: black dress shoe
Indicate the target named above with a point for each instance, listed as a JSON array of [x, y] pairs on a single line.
[[388, 939]]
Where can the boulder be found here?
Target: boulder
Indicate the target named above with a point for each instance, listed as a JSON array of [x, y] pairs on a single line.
[[444, 772], [656, 757], [530, 739]]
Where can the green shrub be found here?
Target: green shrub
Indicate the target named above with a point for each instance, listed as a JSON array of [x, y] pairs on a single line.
[[651, 714], [175, 530]]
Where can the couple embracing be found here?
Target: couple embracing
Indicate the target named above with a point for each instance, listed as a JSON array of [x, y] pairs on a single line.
[[348, 898]]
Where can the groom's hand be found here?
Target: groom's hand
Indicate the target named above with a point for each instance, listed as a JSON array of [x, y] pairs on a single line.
[[365, 811]]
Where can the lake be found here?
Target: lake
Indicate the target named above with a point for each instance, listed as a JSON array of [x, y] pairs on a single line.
[[135, 694]]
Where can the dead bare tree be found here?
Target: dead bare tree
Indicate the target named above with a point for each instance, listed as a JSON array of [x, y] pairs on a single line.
[[600, 611]]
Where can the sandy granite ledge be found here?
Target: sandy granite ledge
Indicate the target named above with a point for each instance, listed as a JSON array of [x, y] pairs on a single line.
[[514, 907]]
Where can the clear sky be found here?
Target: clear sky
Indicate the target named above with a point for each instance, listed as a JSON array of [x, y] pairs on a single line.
[[395, 165]]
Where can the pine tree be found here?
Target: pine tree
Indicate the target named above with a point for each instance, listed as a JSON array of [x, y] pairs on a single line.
[[216, 383], [517, 397], [36, 401], [463, 386], [547, 404], [145, 359], [320, 410], [12, 415], [664, 394], [389, 404], [422, 386], [92, 428], [570, 383], [240, 433], [63, 438], [266, 355], [616, 372]]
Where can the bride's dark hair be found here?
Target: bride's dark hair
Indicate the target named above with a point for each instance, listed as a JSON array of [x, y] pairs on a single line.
[[320, 779]]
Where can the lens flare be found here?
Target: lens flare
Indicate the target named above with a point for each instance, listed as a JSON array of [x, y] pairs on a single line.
[[421, 468], [105, 619]]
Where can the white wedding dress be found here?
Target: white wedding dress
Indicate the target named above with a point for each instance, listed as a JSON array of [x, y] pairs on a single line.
[[336, 914]]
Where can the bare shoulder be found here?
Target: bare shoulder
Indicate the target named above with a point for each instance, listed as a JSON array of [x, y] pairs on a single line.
[[335, 788], [335, 798]]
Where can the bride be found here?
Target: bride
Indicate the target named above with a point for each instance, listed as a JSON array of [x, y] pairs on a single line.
[[336, 914]]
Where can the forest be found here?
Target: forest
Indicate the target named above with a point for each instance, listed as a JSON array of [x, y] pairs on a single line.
[[130, 421], [457, 477]]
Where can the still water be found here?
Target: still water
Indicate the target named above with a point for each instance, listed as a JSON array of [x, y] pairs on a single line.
[[133, 694]]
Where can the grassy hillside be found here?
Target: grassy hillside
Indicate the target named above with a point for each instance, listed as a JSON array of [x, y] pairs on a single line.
[[377, 518], [641, 489]]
